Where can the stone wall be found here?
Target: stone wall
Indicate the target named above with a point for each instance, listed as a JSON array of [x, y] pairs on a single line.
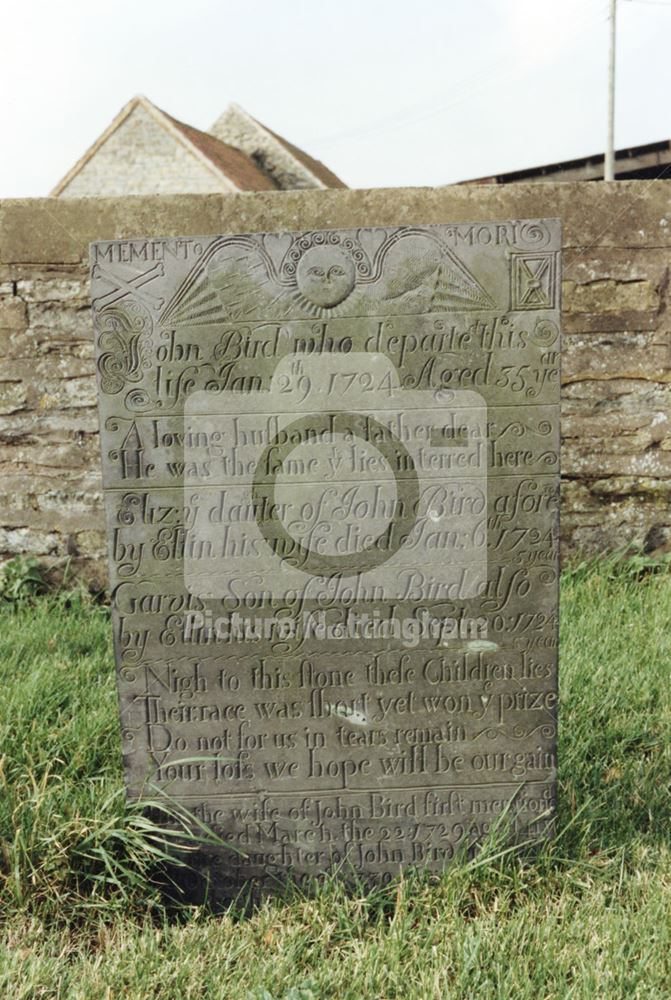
[[616, 457]]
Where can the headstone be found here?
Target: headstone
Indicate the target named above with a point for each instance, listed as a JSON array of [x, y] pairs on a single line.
[[331, 473]]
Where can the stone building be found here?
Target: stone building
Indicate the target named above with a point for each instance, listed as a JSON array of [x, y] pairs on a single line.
[[146, 151]]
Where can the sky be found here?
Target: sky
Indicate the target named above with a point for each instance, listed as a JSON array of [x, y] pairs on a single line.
[[386, 92]]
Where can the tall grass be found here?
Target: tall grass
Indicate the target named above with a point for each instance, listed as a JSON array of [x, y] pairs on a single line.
[[588, 916], [71, 845]]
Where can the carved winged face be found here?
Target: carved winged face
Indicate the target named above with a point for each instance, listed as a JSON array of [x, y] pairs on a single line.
[[325, 276]]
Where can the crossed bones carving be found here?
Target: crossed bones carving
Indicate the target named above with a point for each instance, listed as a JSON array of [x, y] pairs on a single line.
[[121, 287]]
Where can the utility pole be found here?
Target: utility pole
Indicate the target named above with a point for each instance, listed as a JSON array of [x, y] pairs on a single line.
[[609, 171]]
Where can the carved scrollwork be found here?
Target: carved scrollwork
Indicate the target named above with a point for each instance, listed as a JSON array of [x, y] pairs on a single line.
[[534, 234], [124, 342], [491, 732], [544, 333], [516, 427], [139, 400], [545, 730]]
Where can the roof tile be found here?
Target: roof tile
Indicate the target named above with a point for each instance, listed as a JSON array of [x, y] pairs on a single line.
[[231, 162]]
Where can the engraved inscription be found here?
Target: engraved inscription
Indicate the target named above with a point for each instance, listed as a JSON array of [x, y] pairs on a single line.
[[331, 472]]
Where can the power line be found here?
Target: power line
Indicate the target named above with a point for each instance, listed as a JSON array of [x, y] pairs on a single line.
[[409, 115]]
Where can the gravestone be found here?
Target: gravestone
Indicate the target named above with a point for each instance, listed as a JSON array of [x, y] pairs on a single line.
[[331, 473]]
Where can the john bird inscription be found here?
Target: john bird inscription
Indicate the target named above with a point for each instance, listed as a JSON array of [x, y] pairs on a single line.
[[331, 472]]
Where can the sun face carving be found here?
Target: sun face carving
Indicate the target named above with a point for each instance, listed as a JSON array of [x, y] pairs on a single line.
[[325, 276]]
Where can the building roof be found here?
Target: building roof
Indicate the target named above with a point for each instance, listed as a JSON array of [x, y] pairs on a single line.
[[235, 166], [289, 166], [632, 163], [231, 162], [316, 167]]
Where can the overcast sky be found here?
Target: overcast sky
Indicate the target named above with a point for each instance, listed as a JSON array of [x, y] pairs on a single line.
[[386, 92]]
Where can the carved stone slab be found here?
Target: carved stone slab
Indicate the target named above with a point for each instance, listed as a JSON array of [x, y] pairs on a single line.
[[331, 471]]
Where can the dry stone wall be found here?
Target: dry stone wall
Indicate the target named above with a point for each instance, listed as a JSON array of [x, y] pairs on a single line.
[[616, 457]]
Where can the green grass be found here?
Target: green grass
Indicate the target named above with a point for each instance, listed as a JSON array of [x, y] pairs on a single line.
[[588, 917]]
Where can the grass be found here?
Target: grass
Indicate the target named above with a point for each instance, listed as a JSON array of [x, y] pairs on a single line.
[[588, 917]]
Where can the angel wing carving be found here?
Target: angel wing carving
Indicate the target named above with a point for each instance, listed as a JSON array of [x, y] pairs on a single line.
[[415, 265], [236, 277], [314, 274]]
